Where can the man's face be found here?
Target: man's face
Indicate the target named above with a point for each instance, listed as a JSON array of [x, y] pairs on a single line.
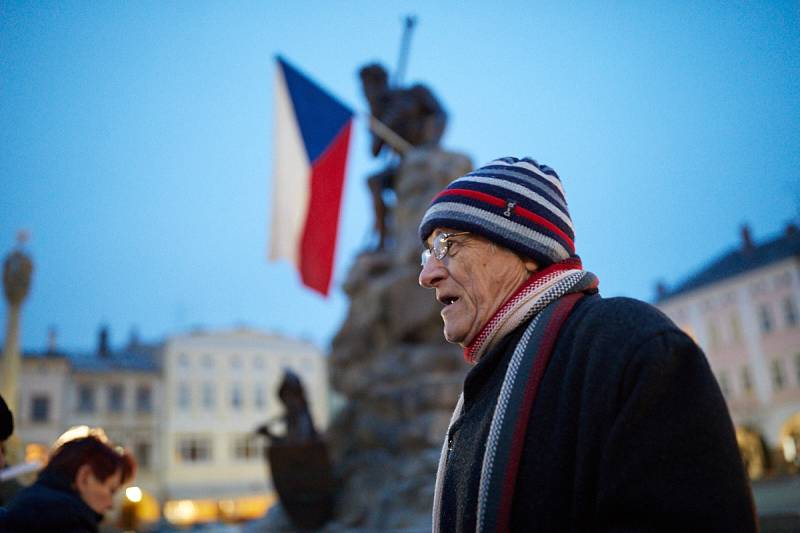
[[472, 281]]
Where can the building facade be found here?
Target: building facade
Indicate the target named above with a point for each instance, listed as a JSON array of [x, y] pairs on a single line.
[[220, 387], [743, 309], [187, 409]]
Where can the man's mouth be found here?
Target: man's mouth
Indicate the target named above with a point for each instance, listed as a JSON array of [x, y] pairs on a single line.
[[447, 300]]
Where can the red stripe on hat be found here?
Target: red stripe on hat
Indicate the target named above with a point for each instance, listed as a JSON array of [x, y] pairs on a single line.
[[521, 211]]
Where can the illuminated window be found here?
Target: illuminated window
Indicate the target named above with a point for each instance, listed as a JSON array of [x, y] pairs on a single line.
[[35, 452], [40, 409], [86, 398], [116, 398], [777, 374], [194, 449]]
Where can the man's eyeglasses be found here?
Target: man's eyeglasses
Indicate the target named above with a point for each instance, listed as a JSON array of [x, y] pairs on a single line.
[[440, 248]]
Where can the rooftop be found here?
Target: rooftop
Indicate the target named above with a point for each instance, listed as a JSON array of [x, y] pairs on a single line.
[[141, 358], [746, 257]]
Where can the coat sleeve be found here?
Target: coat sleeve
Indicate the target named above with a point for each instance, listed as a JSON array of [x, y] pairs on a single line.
[[671, 461]]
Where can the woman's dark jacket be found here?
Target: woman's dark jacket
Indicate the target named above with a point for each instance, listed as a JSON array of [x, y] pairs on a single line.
[[629, 432], [49, 505]]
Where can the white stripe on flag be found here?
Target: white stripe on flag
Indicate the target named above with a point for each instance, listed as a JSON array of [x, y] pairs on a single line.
[[291, 179]]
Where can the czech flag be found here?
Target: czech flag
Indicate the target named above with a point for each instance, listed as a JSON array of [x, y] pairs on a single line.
[[312, 135]]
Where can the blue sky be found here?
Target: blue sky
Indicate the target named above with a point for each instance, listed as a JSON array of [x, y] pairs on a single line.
[[137, 141]]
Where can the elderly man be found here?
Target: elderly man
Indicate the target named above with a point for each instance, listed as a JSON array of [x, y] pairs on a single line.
[[580, 413]]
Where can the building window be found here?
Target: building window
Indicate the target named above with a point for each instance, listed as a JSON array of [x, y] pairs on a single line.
[[736, 328], [261, 396], [194, 449], [236, 361], [258, 362], [790, 311], [184, 396], [747, 380], [208, 361], [713, 335], [777, 374], [209, 398], [116, 398], [246, 448], [86, 400], [40, 409], [765, 319], [236, 396], [143, 454], [797, 367], [144, 399], [722, 378], [183, 360]]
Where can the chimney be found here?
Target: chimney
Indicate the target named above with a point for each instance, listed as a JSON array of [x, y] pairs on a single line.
[[747, 239], [102, 342], [52, 340], [661, 290], [791, 230]]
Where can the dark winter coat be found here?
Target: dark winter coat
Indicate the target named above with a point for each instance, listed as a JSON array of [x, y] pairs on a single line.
[[629, 432], [49, 505]]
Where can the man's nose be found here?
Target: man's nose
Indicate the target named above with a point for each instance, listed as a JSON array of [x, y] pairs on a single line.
[[433, 271]]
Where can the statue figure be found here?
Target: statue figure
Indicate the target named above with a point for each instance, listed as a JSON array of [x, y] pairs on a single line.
[[412, 116], [299, 425], [299, 463]]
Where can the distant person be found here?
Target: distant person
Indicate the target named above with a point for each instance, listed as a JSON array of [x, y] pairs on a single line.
[[11, 486], [74, 490], [581, 413], [6, 429]]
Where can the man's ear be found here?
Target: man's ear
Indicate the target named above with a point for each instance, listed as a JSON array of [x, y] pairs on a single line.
[[530, 265], [82, 477]]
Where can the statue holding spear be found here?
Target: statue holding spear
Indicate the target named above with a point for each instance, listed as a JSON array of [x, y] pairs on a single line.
[[401, 118]]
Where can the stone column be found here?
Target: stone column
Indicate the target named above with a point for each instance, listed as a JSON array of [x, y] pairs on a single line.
[[17, 270]]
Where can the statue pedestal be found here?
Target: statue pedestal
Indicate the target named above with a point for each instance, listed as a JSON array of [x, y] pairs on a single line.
[[390, 361]]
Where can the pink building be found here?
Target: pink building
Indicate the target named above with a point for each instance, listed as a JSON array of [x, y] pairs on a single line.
[[743, 309]]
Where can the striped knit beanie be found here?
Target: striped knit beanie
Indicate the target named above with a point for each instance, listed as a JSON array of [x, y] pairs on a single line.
[[516, 203]]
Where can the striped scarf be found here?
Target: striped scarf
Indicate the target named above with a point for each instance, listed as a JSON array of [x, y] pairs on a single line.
[[562, 285]]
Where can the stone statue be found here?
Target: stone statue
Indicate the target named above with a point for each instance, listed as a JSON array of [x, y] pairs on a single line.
[[297, 418], [412, 116], [299, 463]]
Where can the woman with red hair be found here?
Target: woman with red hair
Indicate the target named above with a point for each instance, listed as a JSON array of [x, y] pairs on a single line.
[[74, 490]]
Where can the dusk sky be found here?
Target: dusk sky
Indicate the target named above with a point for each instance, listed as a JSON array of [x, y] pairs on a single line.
[[137, 141]]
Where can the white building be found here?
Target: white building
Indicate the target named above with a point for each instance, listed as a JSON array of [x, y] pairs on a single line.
[[743, 309], [220, 387], [42, 402]]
